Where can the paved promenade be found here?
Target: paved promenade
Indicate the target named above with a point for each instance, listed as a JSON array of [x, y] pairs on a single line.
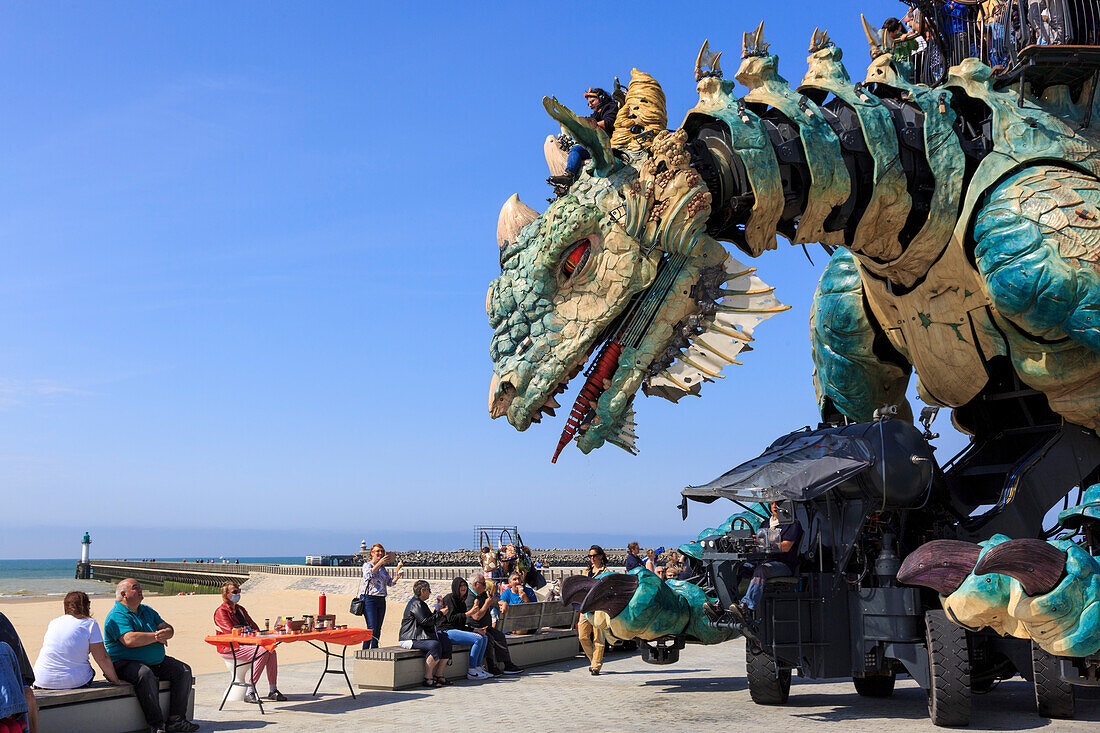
[[705, 691]]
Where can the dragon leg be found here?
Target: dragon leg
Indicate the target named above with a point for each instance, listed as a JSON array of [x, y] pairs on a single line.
[[1037, 246], [855, 368], [639, 605]]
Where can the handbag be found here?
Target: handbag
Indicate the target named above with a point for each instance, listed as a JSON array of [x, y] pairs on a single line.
[[356, 606]]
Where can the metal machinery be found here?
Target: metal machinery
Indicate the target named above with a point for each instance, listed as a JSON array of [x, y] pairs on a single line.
[[866, 495]]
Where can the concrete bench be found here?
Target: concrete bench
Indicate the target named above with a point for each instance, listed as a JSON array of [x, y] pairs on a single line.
[[97, 708], [394, 668]]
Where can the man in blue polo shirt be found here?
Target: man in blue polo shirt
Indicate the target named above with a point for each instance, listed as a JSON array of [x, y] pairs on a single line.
[[134, 635]]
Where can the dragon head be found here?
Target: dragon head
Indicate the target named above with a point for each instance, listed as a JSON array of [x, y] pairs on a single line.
[[621, 266]]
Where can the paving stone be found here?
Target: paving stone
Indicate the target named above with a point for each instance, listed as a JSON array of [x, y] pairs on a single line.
[[704, 691]]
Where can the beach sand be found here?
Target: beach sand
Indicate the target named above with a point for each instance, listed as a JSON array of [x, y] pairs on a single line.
[[193, 618]]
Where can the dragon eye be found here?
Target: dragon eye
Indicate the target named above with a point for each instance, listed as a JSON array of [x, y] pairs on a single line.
[[575, 258]]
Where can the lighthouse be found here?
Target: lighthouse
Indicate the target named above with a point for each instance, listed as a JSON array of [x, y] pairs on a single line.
[[84, 567]]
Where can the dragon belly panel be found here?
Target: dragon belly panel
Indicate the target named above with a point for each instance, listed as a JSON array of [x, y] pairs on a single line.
[[931, 326]]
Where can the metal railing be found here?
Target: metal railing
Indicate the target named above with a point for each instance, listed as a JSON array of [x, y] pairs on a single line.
[[424, 572], [938, 34]]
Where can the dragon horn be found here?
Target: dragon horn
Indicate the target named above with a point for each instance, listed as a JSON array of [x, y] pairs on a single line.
[[819, 40], [704, 53], [514, 215], [592, 138], [1038, 565], [941, 565], [873, 37], [709, 60], [753, 43]]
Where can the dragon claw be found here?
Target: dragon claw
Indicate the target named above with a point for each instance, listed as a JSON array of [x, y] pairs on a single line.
[[574, 588], [611, 594], [1038, 565], [941, 565]]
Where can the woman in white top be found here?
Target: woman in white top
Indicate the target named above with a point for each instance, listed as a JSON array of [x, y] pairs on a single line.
[[63, 662], [376, 582]]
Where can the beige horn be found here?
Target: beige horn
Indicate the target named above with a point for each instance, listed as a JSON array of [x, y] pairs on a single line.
[[514, 216], [555, 156]]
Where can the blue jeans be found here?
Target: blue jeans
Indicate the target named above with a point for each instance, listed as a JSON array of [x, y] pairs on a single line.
[[477, 642], [374, 611], [577, 155], [763, 571]]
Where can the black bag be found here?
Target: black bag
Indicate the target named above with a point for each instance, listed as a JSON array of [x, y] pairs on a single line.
[[356, 606], [535, 578]]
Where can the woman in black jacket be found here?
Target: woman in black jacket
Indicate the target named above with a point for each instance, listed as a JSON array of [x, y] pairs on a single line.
[[418, 631], [456, 628]]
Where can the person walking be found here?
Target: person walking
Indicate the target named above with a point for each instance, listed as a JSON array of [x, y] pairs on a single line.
[[592, 639]]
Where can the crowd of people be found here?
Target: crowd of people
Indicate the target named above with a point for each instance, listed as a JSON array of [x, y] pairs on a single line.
[[990, 30], [130, 646]]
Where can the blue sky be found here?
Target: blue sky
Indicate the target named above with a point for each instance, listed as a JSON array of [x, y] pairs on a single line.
[[245, 254]]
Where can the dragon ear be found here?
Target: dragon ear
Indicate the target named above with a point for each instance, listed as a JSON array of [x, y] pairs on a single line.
[[514, 215], [593, 138]]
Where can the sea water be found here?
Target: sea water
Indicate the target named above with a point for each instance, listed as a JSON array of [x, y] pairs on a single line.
[[54, 578]]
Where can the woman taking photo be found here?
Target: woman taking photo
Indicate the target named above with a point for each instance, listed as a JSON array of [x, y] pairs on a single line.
[[376, 583], [230, 615], [63, 662], [418, 631]]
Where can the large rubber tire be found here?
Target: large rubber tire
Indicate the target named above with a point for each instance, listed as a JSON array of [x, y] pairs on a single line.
[[880, 685], [949, 671], [765, 687], [1054, 696]]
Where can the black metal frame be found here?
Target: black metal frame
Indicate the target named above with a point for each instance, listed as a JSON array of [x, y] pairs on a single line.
[[1013, 41], [342, 656]]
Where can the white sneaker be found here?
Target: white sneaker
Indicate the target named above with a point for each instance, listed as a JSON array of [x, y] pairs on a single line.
[[473, 675], [485, 674]]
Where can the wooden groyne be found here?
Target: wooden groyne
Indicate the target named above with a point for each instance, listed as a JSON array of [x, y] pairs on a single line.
[[212, 575]]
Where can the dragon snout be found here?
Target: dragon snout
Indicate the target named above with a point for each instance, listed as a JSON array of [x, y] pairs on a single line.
[[501, 395]]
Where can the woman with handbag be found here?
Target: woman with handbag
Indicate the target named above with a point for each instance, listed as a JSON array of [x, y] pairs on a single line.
[[372, 591]]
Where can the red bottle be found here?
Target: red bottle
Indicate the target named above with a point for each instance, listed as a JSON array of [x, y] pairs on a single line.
[[321, 602]]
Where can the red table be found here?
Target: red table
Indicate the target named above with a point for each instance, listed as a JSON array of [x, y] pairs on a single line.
[[339, 637]]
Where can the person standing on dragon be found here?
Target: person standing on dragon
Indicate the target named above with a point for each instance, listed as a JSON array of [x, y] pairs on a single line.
[[966, 227]]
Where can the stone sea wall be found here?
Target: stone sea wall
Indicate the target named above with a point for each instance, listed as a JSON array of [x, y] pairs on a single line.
[[554, 558]]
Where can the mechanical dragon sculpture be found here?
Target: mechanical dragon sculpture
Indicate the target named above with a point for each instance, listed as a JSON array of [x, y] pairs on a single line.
[[966, 227]]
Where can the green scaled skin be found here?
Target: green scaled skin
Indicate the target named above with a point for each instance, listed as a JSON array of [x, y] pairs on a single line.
[[662, 608]]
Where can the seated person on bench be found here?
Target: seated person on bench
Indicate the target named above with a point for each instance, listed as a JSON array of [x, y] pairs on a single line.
[[784, 564]]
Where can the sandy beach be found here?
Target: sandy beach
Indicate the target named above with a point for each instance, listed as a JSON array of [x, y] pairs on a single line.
[[193, 619]]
